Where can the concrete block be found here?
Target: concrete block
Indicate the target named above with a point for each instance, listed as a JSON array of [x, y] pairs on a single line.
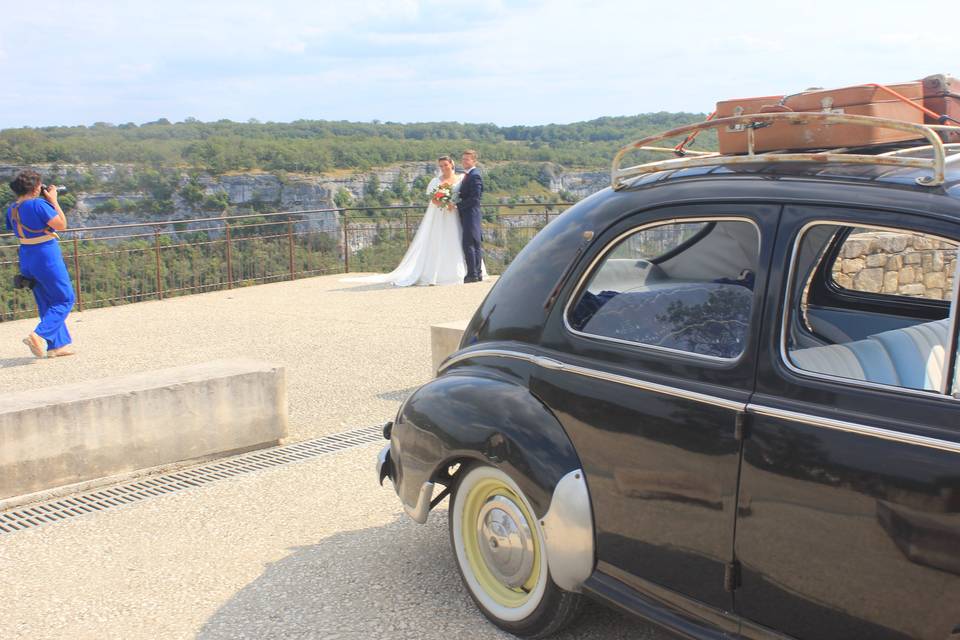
[[445, 339], [77, 432]]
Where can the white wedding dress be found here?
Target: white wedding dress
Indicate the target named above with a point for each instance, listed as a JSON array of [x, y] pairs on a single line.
[[435, 256]]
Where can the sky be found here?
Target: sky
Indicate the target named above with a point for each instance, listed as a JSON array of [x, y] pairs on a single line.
[[506, 62]]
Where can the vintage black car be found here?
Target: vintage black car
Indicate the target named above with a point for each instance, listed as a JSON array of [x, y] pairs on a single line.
[[721, 395]]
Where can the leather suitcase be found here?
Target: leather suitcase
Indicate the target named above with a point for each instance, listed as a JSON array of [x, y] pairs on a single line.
[[859, 100], [734, 139], [941, 93]]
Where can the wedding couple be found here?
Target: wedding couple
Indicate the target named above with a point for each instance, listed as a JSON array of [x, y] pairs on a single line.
[[446, 248]]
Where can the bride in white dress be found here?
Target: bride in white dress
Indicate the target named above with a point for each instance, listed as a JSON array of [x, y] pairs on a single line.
[[435, 256]]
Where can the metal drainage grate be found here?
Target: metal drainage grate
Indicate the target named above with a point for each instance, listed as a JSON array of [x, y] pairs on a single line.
[[150, 487]]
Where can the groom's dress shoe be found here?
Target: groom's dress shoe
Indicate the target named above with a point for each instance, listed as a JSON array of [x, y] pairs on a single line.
[[469, 279]]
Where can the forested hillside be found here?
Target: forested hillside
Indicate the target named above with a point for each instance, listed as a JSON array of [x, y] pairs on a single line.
[[317, 146], [162, 172]]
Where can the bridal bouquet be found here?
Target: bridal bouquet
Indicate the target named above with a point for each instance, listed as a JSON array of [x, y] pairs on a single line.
[[442, 196]]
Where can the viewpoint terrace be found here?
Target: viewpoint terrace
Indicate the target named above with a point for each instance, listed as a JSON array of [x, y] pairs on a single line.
[[313, 549]]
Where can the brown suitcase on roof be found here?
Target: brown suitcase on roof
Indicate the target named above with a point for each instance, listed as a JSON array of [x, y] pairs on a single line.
[[941, 93], [734, 139], [865, 100]]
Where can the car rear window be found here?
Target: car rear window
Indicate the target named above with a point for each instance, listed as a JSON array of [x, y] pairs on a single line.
[[682, 285]]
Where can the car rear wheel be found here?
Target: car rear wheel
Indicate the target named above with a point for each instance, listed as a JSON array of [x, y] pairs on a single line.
[[501, 553]]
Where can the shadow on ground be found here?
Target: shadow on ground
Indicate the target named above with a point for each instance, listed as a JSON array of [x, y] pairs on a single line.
[[360, 287], [396, 581], [397, 396], [16, 362]]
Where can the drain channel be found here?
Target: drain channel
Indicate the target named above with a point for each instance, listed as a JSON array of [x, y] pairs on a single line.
[[116, 496]]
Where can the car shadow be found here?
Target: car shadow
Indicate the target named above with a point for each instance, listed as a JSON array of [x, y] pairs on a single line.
[[393, 581]]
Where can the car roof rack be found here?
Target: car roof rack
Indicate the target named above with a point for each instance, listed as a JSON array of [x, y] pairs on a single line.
[[936, 164]]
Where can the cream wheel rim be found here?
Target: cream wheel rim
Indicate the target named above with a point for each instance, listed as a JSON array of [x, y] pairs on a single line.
[[499, 544]]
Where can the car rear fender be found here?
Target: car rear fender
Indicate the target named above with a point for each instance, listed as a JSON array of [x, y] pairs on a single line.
[[460, 417]]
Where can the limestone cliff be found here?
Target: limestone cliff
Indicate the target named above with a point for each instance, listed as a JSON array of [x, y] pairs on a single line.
[[259, 190]]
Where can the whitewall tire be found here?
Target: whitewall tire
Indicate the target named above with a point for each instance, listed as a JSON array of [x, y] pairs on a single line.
[[502, 555]]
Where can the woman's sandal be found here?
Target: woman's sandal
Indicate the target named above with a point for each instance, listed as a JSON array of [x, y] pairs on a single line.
[[36, 345]]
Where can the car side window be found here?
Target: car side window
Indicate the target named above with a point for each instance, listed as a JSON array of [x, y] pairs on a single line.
[[682, 285], [895, 262], [887, 321]]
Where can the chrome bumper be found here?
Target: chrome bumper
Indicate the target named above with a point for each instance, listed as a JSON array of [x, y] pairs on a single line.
[[384, 466], [419, 511]]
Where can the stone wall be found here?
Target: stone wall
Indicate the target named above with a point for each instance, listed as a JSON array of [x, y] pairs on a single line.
[[897, 263]]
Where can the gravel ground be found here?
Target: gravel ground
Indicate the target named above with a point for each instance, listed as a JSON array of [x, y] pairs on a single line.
[[351, 351], [309, 550]]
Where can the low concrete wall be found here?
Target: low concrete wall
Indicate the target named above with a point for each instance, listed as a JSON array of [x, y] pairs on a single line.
[[76, 432], [445, 339]]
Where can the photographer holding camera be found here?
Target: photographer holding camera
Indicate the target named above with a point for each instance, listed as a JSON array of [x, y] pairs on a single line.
[[35, 218]]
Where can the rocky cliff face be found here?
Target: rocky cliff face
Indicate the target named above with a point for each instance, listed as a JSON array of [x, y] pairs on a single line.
[[264, 191], [579, 184]]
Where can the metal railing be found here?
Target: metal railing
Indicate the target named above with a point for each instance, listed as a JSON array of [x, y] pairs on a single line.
[[119, 264]]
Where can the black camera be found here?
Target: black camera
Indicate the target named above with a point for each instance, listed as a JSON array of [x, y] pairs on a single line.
[[21, 281], [44, 187]]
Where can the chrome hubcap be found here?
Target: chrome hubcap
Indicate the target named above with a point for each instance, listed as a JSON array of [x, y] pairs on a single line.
[[506, 541]]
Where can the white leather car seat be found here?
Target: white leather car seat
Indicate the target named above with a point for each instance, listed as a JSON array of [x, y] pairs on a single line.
[[911, 357]]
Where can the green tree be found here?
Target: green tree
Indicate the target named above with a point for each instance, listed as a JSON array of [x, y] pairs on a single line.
[[419, 188], [371, 192], [192, 192], [399, 187], [218, 201], [342, 198], [6, 195], [111, 205]]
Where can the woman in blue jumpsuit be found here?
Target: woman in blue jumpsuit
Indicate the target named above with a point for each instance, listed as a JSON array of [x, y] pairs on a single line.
[[35, 218]]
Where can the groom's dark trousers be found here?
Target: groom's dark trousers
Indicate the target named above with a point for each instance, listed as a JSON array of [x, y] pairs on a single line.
[[471, 190]]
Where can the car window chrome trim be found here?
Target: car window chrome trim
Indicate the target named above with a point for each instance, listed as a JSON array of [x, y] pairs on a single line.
[[556, 365], [540, 361], [856, 428], [788, 304], [950, 368], [589, 271]]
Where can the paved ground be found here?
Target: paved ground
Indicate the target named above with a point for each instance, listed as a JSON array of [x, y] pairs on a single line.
[[351, 351], [308, 550]]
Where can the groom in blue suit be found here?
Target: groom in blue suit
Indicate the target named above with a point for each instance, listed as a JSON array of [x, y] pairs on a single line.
[[471, 191]]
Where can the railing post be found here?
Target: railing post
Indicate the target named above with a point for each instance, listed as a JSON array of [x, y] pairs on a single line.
[[156, 251], [229, 258], [290, 245], [406, 228], [346, 242], [546, 215], [76, 271]]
